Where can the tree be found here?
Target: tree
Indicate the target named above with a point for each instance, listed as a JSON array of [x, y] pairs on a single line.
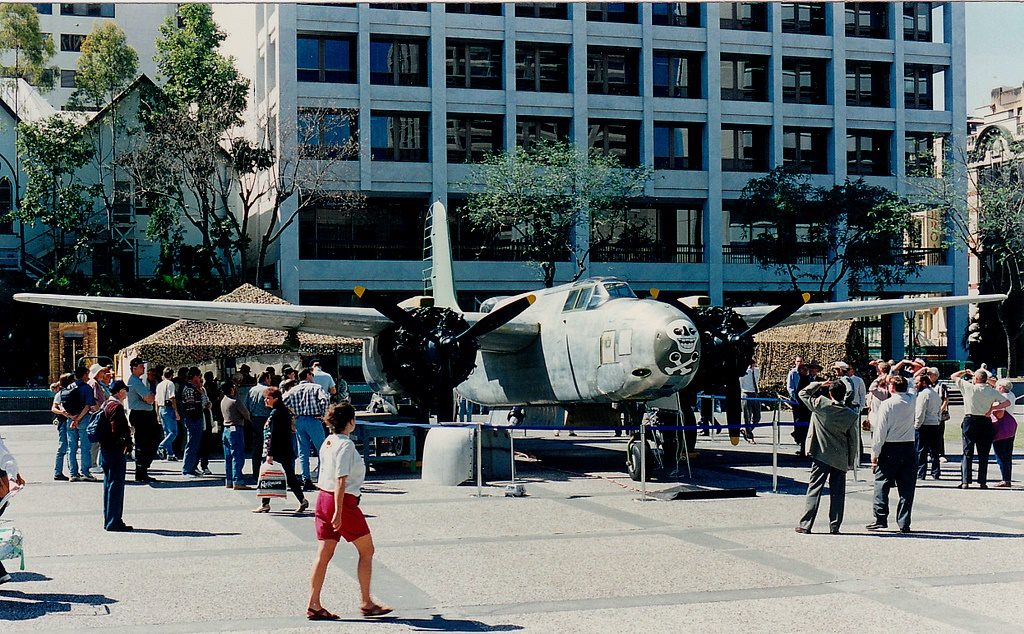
[[822, 236], [267, 178], [550, 196], [989, 226], [52, 151], [183, 164], [20, 34], [106, 66]]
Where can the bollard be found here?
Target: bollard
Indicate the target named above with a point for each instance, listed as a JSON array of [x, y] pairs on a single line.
[[775, 446], [512, 452]]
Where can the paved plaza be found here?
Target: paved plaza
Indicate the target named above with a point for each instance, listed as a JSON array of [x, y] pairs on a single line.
[[579, 554]]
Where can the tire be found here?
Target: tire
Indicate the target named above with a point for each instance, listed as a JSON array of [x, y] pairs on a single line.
[[633, 464]]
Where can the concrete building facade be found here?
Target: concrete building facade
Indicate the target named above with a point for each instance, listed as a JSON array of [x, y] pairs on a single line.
[[708, 95]]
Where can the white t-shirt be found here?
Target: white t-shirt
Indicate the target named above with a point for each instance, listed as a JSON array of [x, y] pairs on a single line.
[[164, 392], [339, 459]]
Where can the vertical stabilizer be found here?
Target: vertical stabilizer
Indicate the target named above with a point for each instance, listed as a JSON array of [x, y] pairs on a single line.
[[438, 277]]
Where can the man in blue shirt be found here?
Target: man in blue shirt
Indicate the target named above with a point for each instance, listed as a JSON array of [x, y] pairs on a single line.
[[142, 417], [84, 405], [260, 412]]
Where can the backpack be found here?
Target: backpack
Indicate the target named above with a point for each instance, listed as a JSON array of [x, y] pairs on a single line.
[[98, 430], [71, 400]]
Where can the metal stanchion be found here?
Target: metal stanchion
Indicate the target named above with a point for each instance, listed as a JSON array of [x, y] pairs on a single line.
[[679, 422], [512, 452], [643, 460], [479, 460], [775, 446]]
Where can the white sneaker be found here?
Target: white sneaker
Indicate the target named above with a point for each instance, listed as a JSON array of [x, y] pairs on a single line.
[[206, 471], [943, 459]]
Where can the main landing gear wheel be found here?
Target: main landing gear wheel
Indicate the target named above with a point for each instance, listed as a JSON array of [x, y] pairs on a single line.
[[633, 465]]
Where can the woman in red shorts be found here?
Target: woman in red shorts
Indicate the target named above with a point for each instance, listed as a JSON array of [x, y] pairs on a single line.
[[342, 472]]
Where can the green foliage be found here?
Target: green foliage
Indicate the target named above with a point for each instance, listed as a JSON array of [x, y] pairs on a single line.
[[106, 66], [542, 194], [29, 48], [821, 236]]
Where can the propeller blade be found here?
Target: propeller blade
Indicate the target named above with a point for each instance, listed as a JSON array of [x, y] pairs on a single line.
[[384, 307], [779, 314], [733, 409], [498, 317], [687, 310]]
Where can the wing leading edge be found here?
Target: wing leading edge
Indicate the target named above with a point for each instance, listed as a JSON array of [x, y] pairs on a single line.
[[321, 320], [829, 311]]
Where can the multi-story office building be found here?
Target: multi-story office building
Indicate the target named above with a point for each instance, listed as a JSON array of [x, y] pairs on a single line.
[[69, 24], [708, 95]]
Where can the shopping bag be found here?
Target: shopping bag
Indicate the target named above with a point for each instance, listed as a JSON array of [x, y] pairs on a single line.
[[272, 482], [11, 545]]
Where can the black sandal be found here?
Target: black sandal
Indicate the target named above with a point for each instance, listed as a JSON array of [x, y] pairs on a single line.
[[320, 614]]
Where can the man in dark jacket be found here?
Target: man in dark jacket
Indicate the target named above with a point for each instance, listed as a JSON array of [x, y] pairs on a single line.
[[832, 445], [113, 449]]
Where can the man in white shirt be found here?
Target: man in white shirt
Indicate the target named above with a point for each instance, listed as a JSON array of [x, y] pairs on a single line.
[[980, 400], [167, 411], [324, 380], [894, 455], [751, 408], [927, 406]]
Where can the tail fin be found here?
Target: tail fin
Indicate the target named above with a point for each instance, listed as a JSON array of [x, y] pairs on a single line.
[[438, 277]]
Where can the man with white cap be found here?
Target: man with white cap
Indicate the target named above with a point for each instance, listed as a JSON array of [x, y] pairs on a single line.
[[99, 381]]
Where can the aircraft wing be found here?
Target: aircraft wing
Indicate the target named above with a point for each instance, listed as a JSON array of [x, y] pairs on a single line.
[[829, 311], [321, 320]]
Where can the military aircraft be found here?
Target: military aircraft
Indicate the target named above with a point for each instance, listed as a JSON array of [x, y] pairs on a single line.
[[581, 346]]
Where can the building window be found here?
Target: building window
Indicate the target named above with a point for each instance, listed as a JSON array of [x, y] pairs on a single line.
[[677, 146], [104, 10], [803, 17], [6, 205], [327, 133], [398, 61], [918, 86], [617, 138], [473, 137], [744, 148], [744, 16], [677, 74], [744, 78], [867, 19], [475, 8], [922, 149], [867, 153], [71, 42], [805, 150], [533, 130], [44, 9], [326, 59], [380, 229], [917, 21], [673, 232], [399, 136], [67, 78], [612, 71], [622, 12], [473, 64], [804, 80], [676, 13], [867, 84], [542, 67], [400, 6], [546, 10]]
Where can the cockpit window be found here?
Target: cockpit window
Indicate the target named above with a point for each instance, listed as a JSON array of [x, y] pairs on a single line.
[[570, 301], [618, 289], [584, 298]]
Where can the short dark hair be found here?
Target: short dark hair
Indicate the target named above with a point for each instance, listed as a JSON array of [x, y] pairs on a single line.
[[265, 377], [898, 383], [194, 372], [305, 373], [136, 361], [338, 416], [168, 373], [227, 386], [66, 379], [81, 372], [837, 391], [273, 392]]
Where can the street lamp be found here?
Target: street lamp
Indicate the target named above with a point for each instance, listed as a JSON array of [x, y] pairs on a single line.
[[81, 317]]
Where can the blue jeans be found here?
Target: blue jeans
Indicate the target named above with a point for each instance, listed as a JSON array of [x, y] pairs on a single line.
[[62, 448], [194, 427], [78, 441], [311, 435], [170, 424], [234, 453], [114, 464]]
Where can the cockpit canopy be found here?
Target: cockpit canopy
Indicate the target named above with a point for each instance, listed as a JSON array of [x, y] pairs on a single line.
[[595, 292]]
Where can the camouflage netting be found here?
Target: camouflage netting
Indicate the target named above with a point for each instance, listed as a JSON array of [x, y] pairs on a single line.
[[824, 342], [187, 342]]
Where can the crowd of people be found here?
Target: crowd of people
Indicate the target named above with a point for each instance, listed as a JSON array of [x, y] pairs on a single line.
[[907, 408], [160, 414]]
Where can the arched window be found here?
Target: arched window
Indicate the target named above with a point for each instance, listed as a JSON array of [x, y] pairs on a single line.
[[6, 204]]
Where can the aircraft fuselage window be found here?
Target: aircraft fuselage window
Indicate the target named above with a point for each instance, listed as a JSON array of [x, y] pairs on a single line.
[[618, 289], [570, 301], [584, 298]]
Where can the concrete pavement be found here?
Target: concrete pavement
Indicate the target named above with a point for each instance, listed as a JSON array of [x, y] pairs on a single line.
[[580, 554]]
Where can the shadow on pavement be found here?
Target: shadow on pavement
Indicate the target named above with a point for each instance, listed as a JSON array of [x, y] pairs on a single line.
[[169, 532], [438, 623], [960, 535], [27, 606], [29, 576]]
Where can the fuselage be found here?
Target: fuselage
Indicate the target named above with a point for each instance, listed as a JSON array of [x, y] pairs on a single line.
[[598, 343]]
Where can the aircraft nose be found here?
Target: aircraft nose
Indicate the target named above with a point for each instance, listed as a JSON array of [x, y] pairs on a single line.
[[677, 347]]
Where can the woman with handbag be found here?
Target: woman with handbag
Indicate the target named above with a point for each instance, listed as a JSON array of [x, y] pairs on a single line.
[[8, 468], [342, 472], [277, 447]]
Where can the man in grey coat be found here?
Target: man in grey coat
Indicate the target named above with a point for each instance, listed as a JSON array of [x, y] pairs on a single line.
[[832, 446]]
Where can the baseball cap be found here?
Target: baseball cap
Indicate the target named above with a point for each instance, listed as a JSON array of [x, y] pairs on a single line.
[[842, 365], [136, 361], [117, 386], [95, 369]]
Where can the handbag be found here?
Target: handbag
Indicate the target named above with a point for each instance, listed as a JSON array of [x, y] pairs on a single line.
[[272, 483], [944, 415]]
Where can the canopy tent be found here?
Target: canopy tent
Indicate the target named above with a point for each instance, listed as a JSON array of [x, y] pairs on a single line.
[[187, 342], [824, 342]]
